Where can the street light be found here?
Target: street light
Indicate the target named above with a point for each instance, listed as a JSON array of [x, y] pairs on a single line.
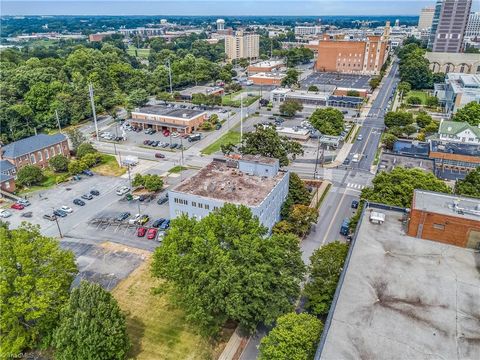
[[58, 225]]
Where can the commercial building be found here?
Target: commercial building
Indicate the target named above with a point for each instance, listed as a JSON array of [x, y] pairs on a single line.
[[400, 297], [265, 66], [445, 218], [242, 46], [462, 132], [454, 158], [308, 30], [426, 18], [473, 26], [307, 98], [460, 89], [449, 25], [365, 56], [205, 90], [7, 183], [254, 181], [296, 133], [160, 118], [142, 32], [99, 36], [453, 62], [34, 150], [267, 78]]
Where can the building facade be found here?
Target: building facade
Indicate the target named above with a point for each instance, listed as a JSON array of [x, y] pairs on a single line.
[[254, 181], [308, 30], [462, 132], [449, 25], [426, 18], [267, 79], [454, 160], [265, 66], [242, 46], [459, 90], [453, 62], [174, 120], [445, 218]]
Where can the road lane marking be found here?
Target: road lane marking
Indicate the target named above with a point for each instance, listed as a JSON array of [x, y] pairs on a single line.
[[333, 217]]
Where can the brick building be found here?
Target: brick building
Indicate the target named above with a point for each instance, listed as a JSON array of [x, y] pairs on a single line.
[[445, 218], [160, 118], [452, 156], [269, 78], [34, 150], [7, 182]]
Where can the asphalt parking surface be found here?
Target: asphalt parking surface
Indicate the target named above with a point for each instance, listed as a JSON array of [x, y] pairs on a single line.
[[340, 80]]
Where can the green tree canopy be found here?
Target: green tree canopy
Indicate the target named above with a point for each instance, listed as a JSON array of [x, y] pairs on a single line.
[[84, 149], [59, 163], [398, 118], [295, 337], [291, 79], [326, 265], [290, 107], [76, 167], [414, 100], [265, 141], [470, 186], [35, 282], [470, 113], [29, 175], [388, 140], [92, 326], [225, 267], [396, 187], [353, 93], [328, 121], [151, 182], [423, 119], [414, 68], [374, 82], [313, 88], [76, 138]]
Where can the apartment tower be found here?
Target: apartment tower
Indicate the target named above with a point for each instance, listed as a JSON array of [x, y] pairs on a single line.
[[426, 18], [242, 46]]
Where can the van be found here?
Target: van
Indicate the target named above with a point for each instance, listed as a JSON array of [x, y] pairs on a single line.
[[356, 158], [345, 228], [194, 137]]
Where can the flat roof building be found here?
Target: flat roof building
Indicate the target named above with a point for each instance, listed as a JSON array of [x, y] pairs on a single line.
[[265, 66], [160, 118], [453, 156], [426, 18], [187, 93], [254, 181], [459, 90], [242, 46], [400, 297], [267, 78], [307, 98]]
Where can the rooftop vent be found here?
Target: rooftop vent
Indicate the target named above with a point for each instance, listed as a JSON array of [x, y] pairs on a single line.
[[184, 115], [449, 128]]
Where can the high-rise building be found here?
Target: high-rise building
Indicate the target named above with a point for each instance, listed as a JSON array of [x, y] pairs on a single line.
[[426, 18], [220, 24], [397, 22], [242, 46], [449, 25], [473, 26]]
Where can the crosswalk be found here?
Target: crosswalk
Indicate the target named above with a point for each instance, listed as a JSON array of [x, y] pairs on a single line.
[[355, 186]]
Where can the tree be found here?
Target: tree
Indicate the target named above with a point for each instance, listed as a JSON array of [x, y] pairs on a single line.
[[84, 149], [414, 68], [91, 159], [291, 78], [414, 100], [76, 167], [404, 87], [431, 101], [298, 194], [328, 121], [153, 182], [35, 282], [432, 128], [396, 187], [243, 63], [137, 98], [29, 175], [290, 107], [374, 82], [423, 119], [470, 113], [312, 88], [398, 118], [76, 138], [164, 96], [92, 326], [302, 217], [283, 227], [470, 186], [265, 141], [388, 140], [409, 130], [295, 337], [353, 93], [326, 265], [59, 163], [224, 267]]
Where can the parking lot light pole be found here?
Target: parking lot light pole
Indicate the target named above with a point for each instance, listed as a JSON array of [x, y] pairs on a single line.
[[181, 149], [58, 225]]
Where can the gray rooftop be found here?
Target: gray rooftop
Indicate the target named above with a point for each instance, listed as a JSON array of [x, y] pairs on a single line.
[[5, 166], [206, 90], [176, 113], [30, 144], [404, 298], [445, 204], [5, 177]]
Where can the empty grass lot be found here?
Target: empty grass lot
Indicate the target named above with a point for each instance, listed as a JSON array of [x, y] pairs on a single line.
[[415, 93], [109, 166], [230, 137], [157, 329], [234, 99], [141, 53]]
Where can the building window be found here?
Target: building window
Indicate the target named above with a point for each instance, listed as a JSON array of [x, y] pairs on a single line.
[[40, 156], [194, 204], [46, 154], [207, 207], [7, 185], [200, 205], [32, 159], [59, 149], [439, 226]]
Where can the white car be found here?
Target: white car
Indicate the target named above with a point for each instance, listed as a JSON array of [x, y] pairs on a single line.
[[123, 190], [67, 209], [134, 219], [5, 213]]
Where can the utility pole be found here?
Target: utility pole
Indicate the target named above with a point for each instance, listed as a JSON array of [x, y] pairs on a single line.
[[58, 122], [181, 148], [58, 226], [170, 75], [90, 89], [241, 117], [316, 160]]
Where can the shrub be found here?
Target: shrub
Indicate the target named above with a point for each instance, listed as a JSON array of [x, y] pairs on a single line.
[[59, 163], [29, 175]]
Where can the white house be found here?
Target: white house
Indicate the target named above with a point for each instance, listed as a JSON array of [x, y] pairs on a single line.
[[454, 131]]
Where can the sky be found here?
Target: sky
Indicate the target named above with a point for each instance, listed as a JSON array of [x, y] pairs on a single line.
[[225, 7]]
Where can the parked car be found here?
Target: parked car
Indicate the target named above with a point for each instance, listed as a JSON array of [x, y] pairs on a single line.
[[17, 206], [94, 192], [123, 190], [173, 146], [355, 204], [143, 219], [166, 133], [162, 200], [165, 225], [194, 137], [345, 228], [360, 137], [158, 222], [141, 231], [123, 216], [134, 219], [164, 145], [175, 134], [58, 212], [151, 234], [87, 172], [49, 217], [67, 209], [145, 142], [87, 196], [159, 156], [218, 126], [142, 198], [5, 213], [24, 202], [79, 202]]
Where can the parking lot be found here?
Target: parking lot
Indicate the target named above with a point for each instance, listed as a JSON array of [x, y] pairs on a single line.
[[350, 81]]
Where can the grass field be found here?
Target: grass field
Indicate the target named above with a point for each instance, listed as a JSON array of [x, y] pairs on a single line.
[[234, 100], [141, 53], [50, 179], [420, 94], [157, 329], [109, 166], [230, 137]]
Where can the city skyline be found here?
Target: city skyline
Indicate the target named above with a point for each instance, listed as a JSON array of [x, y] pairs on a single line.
[[220, 8]]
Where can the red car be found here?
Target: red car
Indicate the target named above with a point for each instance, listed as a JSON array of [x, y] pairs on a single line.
[[166, 133], [151, 234], [141, 232], [159, 156], [17, 206]]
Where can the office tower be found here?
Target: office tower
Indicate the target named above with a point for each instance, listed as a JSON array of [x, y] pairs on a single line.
[[220, 25], [426, 18], [473, 26], [397, 22], [449, 25], [242, 46]]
